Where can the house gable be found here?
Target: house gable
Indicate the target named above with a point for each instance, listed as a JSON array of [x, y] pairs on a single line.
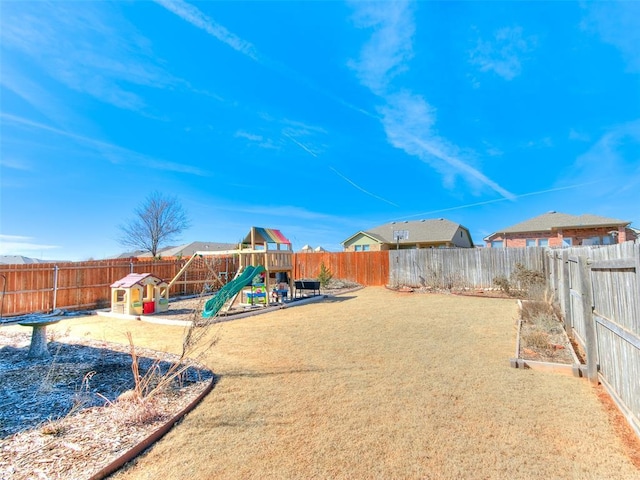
[[363, 241]]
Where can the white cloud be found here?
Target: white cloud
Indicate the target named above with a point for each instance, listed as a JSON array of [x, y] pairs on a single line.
[[615, 156], [618, 24], [390, 47], [503, 53], [578, 136], [408, 120], [20, 245], [114, 153], [15, 164], [407, 117], [545, 142], [91, 49], [195, 17], [198, 19], [249, 136]]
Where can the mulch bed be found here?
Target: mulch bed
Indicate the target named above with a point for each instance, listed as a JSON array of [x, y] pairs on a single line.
[[61, 417]]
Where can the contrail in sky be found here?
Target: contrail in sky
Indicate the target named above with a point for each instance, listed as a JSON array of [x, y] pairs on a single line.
[[496, 200], [360, 188], [304, 147]]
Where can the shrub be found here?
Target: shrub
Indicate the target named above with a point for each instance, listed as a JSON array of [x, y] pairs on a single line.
[[536, 339], [532, 283], [324, 276], [503, 284]]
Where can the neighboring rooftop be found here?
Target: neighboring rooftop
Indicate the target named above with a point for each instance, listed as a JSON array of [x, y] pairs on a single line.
[[555, 220], [434, 230], [20, 260], [185, 250]]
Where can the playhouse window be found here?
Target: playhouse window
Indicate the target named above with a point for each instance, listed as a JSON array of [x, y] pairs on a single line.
[[120, 295]]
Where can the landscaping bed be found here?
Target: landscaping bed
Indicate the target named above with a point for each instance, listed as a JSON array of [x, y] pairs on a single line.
[[542, 342], [62, 417]]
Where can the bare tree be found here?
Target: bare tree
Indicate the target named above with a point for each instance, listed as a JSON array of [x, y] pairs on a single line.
[[159, 220]]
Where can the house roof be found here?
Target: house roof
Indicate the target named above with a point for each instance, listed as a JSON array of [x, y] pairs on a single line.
[[190, 248], [555, 220], [19, 260], [137, 279], [185, 250], [424, 231]]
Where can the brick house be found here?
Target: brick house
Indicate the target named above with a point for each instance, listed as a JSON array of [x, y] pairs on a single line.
[[554, 229], [437, 233]]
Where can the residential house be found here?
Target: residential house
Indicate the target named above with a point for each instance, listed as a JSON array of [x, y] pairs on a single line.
[[435, 233], [20, 260], [555, 229], [185, 250]]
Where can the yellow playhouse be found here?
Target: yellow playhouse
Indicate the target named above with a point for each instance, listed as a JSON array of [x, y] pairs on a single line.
[[139, 293]]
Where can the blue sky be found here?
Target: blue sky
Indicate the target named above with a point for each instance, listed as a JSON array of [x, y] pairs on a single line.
[[318, 118]]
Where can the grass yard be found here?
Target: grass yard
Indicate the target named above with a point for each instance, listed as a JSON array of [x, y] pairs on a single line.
[[377, 384]]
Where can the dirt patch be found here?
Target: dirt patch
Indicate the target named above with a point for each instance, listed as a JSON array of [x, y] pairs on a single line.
[[629, 438]]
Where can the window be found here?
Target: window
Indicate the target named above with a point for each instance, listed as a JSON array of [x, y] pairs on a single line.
[[365, 248], [497, 244], [567, 241], [608, 240], [358, 248], [591, 241], [531, 242], [543, 242]]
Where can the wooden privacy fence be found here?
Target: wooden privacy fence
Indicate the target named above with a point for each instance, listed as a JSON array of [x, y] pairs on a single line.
[[460, 267], [84, 285], [598, 289], [43, 287], [366, 268]]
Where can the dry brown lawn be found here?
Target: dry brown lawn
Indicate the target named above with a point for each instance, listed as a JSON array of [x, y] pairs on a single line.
[[376, 384]]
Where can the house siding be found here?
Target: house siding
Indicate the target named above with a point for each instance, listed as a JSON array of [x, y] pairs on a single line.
[[556, 237], [373, 247], [360, 240]]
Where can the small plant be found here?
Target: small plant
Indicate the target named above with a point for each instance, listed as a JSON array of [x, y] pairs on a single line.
[[534, 309], [82, 397], [503, 284], [155, 379], [324, 276], [536, 339]]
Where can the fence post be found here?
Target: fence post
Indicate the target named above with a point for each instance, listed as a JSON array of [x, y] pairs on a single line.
[[55, 286], [591, 346], [566, 295]]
